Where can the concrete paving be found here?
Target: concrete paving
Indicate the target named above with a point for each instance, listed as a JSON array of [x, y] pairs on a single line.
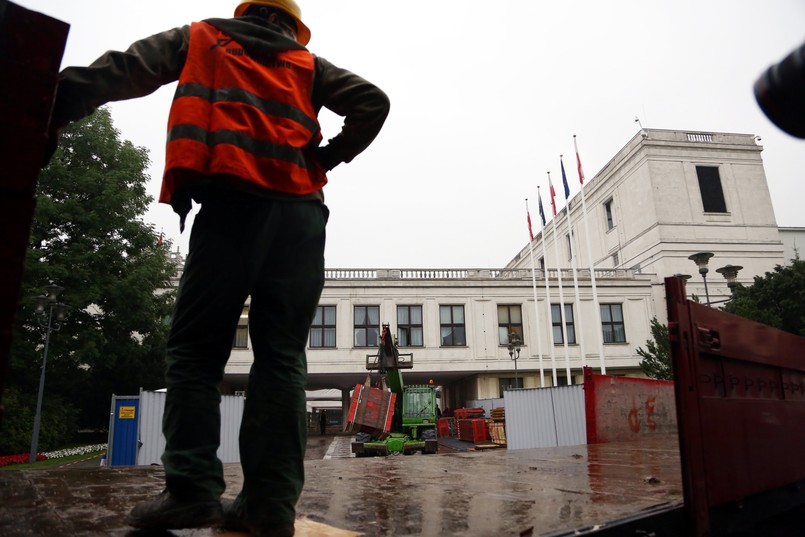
[[469, 493]]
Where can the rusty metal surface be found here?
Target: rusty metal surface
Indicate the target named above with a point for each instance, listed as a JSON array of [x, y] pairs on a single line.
[[740, 395], [481, 493]]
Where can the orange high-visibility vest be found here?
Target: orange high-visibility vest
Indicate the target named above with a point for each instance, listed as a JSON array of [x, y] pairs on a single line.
[[236, 115]]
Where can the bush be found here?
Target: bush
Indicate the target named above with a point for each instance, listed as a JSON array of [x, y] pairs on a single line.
[[58, 427]]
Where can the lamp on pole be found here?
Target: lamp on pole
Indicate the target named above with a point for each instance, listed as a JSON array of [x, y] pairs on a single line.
[[514, 353], [49, 314], [730, 273], [701, 260]]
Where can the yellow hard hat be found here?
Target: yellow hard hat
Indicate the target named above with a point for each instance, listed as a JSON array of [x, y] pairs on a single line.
[[288, 6]]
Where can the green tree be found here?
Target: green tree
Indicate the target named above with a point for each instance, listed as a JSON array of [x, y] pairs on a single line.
[[89, 237], [656, 362], [776, 299]]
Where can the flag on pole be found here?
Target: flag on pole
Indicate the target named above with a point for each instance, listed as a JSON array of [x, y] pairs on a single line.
[[553, 194], [541, 212], [578, 161], [528, 216], [564, 178], [159, 240]]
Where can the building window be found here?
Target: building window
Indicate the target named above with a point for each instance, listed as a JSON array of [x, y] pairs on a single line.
[[510, 383], [322, 331], [542, 263], [451, 325], [615, 260], [569, 247], [242, 331], [556, 321], [409, 326], [367, 326], [612, 323], [710, 188], [608, 213], [510, 321]]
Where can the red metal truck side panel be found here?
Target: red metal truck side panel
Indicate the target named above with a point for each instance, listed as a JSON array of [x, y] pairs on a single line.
[[740, 389], [31, 48]]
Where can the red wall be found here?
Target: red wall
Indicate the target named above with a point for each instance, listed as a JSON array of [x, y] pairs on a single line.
[[621, 408]]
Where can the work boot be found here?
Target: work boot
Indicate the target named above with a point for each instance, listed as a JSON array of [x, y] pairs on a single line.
[[234, 521], [168, 512]]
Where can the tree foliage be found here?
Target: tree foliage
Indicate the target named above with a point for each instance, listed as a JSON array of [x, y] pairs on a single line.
[[656, 362], [88, 236], [776, 299]]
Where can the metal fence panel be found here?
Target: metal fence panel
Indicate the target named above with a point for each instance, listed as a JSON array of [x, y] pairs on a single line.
[[152, 441], [545, 417]]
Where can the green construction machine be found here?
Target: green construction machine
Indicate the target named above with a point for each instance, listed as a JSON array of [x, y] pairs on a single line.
[[413, 424]]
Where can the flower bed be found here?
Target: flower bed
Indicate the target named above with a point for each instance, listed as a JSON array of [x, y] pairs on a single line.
[[6, 460], [58, 454]]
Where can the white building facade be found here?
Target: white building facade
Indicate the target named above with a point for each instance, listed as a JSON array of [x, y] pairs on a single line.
[[665, 196]]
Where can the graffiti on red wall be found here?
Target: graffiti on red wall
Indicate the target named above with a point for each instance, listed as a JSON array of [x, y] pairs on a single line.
[[634, 415]]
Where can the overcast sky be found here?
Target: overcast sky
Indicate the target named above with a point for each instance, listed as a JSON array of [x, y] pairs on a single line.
[[485, 96]]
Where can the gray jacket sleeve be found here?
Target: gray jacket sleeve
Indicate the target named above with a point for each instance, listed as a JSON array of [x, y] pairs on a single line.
[[143, 68], [363, 106]]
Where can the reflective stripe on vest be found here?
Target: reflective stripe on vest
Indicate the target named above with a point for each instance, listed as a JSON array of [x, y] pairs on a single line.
[[236, 115]]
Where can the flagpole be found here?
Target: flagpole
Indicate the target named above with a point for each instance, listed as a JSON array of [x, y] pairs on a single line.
[[547, 290], [577, 317], [561, 292], [597, 308], [536, 304]]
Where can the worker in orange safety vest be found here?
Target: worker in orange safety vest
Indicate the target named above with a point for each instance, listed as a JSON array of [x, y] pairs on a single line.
[[245, 143]]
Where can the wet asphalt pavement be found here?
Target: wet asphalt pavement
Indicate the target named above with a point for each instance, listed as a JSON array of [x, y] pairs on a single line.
[[467, 493]]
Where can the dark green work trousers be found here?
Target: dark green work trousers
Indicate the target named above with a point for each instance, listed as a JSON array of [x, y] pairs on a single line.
[[273, 251]]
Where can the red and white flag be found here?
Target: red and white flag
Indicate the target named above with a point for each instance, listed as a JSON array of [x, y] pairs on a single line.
[[528, 216], [553, 194], [578, 161]]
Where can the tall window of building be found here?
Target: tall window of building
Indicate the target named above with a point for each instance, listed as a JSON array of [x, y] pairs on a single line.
[[242, 331], [542, 263], [710, 188], [510, 321], [322, 331], [556, 322], [608, 214], [612, 323], [569, 239], [367, 326], [409, 326], [615, 260], [509, 383], [451, 326]]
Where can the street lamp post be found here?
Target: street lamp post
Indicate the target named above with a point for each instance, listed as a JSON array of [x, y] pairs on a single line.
[[47, 307], [701, 260], [514, 353]]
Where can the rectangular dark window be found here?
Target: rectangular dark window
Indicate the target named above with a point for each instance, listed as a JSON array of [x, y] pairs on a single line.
[[322, 331], [612, 324], [510, 321], [242, 331], [367, 326], [451, 326], [409, 326], [608, 212], [509, 384], [710, 188], [569, 247], [556, 322], [542, 263]]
